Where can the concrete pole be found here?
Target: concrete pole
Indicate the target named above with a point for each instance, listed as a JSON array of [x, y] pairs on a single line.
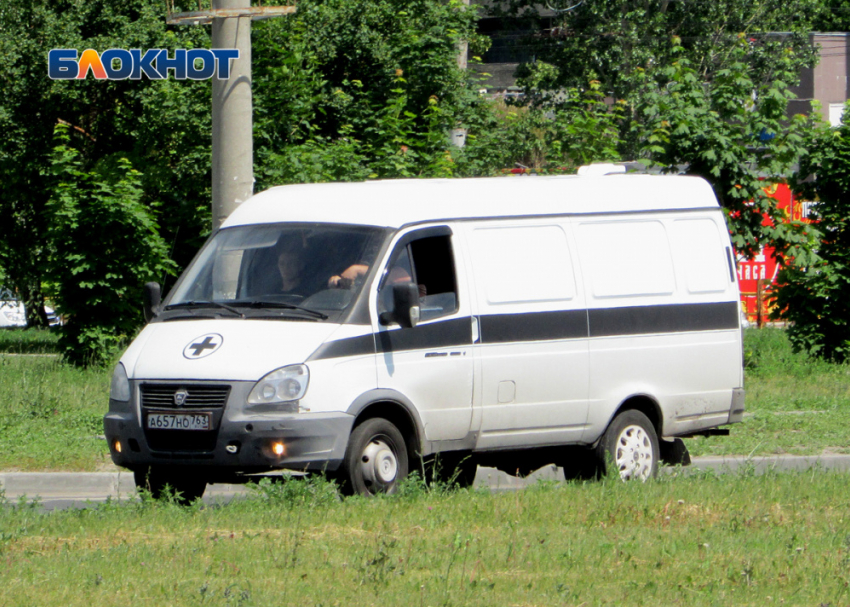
[[457, 136], [462, 48], [232, 120]]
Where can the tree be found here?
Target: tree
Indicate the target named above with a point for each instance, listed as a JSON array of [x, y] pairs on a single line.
[[106, 246], [713, 103], [733, 132], [815, 297], [163, 126], [610, 40], [371, 89]]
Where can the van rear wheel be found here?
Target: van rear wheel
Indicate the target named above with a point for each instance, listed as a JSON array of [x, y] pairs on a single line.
[[375, 460], [630, 444]]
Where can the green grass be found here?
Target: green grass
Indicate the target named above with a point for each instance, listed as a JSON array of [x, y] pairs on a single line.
[[736, 540], [50, 413], [29, 341]]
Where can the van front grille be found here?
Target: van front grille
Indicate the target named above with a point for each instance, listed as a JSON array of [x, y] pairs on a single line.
[[165, 396]]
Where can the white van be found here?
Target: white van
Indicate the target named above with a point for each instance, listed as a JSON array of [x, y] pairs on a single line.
[[355, 328]]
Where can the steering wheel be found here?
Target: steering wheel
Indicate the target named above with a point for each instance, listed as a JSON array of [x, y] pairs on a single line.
[[286, 297]]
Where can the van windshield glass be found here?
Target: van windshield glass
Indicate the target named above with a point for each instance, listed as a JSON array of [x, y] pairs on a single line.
[[309, 271]]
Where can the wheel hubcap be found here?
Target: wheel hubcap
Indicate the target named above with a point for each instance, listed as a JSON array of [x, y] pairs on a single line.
[[633, 454], [379, 463]]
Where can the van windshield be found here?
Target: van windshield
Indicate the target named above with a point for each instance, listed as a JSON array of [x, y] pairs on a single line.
[[304, 271]]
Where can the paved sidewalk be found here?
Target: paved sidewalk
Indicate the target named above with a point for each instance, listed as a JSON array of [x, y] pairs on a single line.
[[79, 487]]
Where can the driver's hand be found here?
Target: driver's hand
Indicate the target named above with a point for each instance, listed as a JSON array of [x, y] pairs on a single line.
[[339, 282], [347, 278]]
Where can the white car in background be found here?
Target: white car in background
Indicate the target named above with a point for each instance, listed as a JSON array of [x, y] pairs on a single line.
[[12, 311]]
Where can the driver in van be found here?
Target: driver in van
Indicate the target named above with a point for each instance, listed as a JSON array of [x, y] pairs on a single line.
[[291, 255], [292, 261]]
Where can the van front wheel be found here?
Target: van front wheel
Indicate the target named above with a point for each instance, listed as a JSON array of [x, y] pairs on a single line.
[[631, 445], [186, 485], [376, 459]]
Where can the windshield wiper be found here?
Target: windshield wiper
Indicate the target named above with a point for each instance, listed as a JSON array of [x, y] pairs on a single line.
[[254, 303], [204, 304]]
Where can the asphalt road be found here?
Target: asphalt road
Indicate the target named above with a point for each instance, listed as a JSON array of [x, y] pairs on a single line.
[[60, 490]]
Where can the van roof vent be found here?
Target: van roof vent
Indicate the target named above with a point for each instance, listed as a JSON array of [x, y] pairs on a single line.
[[600, 169]]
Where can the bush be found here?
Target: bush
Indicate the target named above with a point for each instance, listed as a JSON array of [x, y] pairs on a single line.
[[105, 246], [815, 297]]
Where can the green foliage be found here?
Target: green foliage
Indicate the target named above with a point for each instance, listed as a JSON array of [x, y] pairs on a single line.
[[310, 492], [106, 247], [832, 16], [815, 297], [711, 104], [732, 131], [611, 40], [163, 126], [586, 128], [372, 90]]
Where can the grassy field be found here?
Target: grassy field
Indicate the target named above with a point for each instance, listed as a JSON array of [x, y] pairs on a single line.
[[777, 539], [28, 341], [50, 414], [735, 540]]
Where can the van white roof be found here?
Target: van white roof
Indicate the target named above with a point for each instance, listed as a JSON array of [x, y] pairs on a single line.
[[394, 203]]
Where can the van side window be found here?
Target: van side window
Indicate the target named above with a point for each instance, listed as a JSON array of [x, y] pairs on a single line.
[[429, 263]]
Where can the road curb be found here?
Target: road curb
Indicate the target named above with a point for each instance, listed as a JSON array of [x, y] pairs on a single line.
[[98, 486], [82, 485]]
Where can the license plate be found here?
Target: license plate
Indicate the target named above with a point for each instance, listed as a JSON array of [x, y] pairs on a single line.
[[178, 421]]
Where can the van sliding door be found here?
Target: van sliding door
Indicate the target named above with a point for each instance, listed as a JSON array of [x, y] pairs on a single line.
[[532, 342]]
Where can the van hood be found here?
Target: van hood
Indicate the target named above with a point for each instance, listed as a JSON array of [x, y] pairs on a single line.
[[221, 349]]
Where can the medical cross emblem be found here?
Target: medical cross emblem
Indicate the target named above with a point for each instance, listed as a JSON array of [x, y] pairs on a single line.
[[203, 346]]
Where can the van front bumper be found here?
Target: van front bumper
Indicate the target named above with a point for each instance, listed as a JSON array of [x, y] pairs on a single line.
[[306, 441]]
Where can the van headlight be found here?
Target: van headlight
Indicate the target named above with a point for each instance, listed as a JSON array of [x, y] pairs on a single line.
[[119, 388], [281, 385]]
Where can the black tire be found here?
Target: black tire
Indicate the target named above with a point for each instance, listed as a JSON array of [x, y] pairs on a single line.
[[453, 469], [580, 463], [375, 461], [186, 486], [630, 445]]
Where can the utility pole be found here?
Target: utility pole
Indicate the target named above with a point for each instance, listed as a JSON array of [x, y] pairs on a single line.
[[457, 136], [463, 48], [232, 116], [232, 103]]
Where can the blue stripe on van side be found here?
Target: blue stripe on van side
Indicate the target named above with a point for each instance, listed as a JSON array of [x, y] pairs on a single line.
[[542, 326]]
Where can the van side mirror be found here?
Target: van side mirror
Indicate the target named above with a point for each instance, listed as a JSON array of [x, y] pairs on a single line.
[[405, 306], [152, 296]]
